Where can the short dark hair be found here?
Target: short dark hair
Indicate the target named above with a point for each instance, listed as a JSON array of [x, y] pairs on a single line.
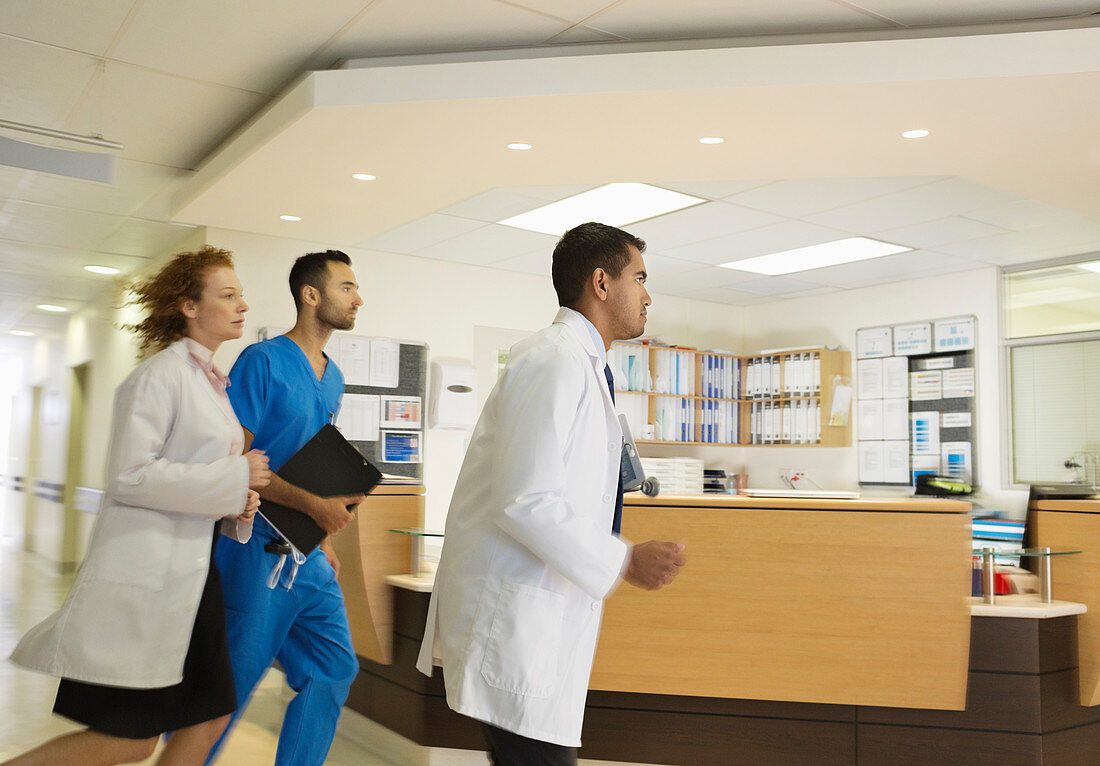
[[585, 248], [312, 269]]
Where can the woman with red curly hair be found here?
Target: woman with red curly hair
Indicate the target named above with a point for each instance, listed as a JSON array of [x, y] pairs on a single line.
[[140, 640]]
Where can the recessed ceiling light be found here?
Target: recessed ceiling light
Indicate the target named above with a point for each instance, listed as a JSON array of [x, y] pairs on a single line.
[[817, 256], [613, 204], [51, 307], [711, 140], [1091, 266], [519, 147], [363, 176], [101, 269], [921, 133], [21, 333], [290, 218]]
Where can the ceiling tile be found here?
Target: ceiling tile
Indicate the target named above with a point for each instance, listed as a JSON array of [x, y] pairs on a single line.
[[534, 262], [943, 231], [797, 197], [551, 193], [707, 221], [569, 10], [393, 27], [776, 286], [421, 233], [160, 118], [749, 244], [711, 189], [669, 276], [135, 182], [43, 224], [41, 84], [252, 45], [87, 27], [660, 19], [1022, 214], [488, 245], [1073, 237], [492, 206], [890, 268], [582, 34], [943, 13], [954, 196], [727, 295], [144, 239]]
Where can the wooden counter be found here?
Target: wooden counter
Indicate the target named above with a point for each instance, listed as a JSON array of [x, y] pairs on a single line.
[[368, 552], [1075, 525], [851, 602]]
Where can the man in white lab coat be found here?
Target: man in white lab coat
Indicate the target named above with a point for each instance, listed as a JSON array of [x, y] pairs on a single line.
[[532, 546]]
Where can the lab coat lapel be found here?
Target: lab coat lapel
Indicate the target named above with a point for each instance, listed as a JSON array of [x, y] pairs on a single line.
[[582, 337]]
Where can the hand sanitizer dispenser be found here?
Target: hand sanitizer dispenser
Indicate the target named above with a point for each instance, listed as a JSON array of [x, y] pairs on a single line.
[[452, 399]]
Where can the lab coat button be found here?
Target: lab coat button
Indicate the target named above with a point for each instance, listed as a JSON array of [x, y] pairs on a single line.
[[595, 605], [202, 561], [607, 498]]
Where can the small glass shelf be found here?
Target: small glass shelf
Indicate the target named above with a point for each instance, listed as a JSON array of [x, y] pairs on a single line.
[[1043, 554], [416, 549]]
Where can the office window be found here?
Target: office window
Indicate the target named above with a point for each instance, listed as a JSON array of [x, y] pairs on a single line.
[[1052, 339]]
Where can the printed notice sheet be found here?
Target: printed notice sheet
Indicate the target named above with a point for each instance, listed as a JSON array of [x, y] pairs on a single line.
[[358, 418]]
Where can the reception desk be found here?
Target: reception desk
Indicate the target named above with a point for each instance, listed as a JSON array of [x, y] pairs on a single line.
[[801, 632], [1074, 524], [368, 551]]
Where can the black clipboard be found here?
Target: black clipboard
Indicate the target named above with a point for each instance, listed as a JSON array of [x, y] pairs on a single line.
[[327, 465]]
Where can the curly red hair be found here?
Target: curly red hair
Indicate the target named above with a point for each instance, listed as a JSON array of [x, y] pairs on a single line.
[[180, 279]]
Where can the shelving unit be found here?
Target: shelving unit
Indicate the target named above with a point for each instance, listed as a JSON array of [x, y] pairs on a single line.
[[662, 391]]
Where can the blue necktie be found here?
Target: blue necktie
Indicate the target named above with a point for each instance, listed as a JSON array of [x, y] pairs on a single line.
[[616, 523]]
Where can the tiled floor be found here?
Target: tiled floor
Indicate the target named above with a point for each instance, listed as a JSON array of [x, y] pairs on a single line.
[[29, 591]]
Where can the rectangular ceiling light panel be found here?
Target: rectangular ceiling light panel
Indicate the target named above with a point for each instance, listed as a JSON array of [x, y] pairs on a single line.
[[817, 256], [613, 204]]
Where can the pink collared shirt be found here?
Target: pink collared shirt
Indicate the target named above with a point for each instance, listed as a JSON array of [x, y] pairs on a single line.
[[204, 358]]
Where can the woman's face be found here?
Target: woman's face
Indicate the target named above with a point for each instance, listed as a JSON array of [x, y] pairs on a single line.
[[218, 314]]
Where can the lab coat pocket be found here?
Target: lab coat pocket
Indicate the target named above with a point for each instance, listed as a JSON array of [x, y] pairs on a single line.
[[521, 655], [132, 546]]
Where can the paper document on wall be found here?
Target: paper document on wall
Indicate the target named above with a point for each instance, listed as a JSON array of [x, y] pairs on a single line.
[[358, 417], [955, 460], [869, 419], [385, 358], [925, 433], [925, 385], [869, 378], [896, 462], [871, 466], [354, 360], [895, 377], [958, 383], [895, 419]]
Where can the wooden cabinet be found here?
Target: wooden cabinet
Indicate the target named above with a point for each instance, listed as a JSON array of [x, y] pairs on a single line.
[[676, 395]]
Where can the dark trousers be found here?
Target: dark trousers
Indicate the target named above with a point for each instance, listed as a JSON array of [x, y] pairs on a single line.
[[508, 749]]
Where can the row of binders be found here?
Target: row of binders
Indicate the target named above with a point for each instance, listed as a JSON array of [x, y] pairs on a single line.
[[797, 422], [770, 377], [720, 376], [677, 419], [719, 423]]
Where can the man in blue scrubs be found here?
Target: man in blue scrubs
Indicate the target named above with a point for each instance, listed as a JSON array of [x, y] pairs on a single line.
[[278, 606]]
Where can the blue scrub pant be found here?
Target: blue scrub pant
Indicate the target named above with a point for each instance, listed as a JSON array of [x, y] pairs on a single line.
[[305, 628]]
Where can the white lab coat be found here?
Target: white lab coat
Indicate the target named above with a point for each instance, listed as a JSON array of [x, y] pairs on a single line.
[[127, 620], [529, 555]]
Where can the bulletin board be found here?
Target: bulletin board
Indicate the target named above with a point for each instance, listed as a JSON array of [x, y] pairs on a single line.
[[916, 409], [384, 407]]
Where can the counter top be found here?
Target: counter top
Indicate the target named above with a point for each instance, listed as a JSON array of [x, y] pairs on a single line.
[[894, 504], [1024, 605], [398, 489], [1075, 506]]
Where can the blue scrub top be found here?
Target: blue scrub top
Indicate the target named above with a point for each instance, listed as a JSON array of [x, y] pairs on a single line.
[[277, 396]]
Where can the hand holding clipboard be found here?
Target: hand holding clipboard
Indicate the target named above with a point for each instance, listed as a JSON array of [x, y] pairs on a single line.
[[328, 466]]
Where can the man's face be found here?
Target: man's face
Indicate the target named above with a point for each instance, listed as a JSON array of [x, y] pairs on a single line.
[[628, 298], [340, 297]]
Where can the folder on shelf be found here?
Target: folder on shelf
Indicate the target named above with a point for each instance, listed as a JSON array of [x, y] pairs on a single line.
[[327, 465]]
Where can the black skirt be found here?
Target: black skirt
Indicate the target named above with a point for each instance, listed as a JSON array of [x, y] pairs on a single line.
[[206, 691]]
